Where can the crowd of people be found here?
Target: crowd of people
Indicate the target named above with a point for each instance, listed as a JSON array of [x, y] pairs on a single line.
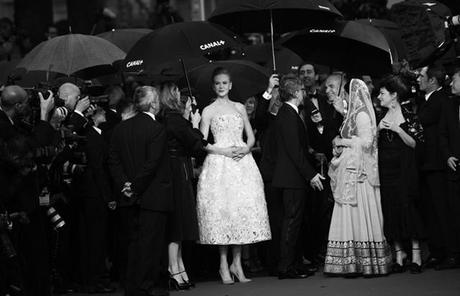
[[334, 175]]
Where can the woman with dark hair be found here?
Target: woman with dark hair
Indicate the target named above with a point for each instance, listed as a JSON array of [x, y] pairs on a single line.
[[399, 133], [184, 141], [230, 197]]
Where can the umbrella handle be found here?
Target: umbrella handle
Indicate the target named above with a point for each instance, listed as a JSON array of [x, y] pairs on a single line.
[[272, 41], [184, 69]]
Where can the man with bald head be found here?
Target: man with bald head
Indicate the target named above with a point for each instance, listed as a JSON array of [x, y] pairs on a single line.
[[70, 94], [13, 102]]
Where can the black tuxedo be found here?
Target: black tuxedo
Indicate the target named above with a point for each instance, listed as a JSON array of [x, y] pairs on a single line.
[[138, 154], [292, 168], [449, 136], [331, 122], [319, 206], [432, 165], [291, 174]]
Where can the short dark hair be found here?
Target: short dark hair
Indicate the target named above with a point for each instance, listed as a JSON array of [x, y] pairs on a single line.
[[438, 72], [289, 84], [315, 68], [394, 84]]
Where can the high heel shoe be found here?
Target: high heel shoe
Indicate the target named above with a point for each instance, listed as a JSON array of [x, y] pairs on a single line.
[[186, 279], [398, 268], [175, 284], [414, 267], [226, 281], [240, 277]]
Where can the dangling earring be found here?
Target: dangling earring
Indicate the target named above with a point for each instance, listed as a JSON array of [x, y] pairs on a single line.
[[393, 105]]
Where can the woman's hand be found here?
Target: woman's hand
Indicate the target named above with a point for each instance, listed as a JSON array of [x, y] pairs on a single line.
[[240, 152], [389, 125], [195, 119]]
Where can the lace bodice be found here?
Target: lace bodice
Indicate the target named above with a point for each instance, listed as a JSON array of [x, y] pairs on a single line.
[[227, 129]]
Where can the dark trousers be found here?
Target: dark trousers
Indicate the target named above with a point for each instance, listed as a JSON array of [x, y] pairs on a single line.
[[293, 201], [32, 249], [317, 219], [146, 252], [275, 212], [435, 211], [93, 247], [453, 204]]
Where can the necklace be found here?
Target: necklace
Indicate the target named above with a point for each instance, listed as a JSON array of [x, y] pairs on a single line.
[[389, 135]]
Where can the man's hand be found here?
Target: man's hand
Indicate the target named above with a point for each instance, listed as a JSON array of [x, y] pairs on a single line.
[[273, 82], [82, 105], [46, 105], [90, 111], [452, 163], [316, 183], [127, 191], [112, 205]]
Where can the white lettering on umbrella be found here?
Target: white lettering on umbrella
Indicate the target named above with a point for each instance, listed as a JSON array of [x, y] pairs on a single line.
[[134, 63], [212, 44], [321, 31]]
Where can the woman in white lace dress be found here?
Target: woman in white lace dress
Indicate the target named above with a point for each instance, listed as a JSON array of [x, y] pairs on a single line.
[[230, 197]]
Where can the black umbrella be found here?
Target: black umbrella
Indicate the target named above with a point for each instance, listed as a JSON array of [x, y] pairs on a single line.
[[192, 42], [392, 33], [344, 45], [248, 79], [246, 16], [280, 16], [286, 59]]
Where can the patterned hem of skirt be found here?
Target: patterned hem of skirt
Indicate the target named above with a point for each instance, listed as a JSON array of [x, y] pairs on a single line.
[[357, 257], [228, 243]]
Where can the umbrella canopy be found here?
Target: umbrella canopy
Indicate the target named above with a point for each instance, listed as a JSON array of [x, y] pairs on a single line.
[[344, 45], [245, 16], [71, 53], [286, 59], [248, 79], [124, 38], [193, 42], [392, 33]]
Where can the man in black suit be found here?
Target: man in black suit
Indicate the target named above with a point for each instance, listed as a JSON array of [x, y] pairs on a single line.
[[292, 172], [432, 165], [95, 203], [323, 122], [449, 137], [141, 170]]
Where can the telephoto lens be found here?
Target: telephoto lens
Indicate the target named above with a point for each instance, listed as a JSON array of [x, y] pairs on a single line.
[[55, 218]]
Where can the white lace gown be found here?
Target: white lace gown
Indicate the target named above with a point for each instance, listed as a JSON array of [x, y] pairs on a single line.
[[231, 203]]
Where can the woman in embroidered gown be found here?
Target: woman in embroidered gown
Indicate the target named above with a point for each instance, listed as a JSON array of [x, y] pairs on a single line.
[[230, 197], [399, 133], [356, 242]]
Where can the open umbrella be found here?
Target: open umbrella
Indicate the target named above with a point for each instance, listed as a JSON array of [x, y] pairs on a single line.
[[280, 16], [286, 59], [191, 42], [71, 53], [124, 38], [344, 45], [248, 79]]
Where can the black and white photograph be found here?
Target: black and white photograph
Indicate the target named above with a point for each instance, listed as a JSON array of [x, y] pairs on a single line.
[[229, 147]]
